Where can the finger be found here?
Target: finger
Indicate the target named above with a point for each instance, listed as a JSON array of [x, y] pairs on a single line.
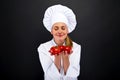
[[55, 54], [62, 52], [65, 52], [71, 52]]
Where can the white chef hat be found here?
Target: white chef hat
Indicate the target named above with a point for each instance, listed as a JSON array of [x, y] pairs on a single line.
[[59, 13]]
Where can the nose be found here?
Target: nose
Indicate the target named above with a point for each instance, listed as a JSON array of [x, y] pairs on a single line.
[[59, 31]]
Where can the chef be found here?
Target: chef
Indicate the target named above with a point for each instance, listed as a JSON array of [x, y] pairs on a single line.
[[60, 20]]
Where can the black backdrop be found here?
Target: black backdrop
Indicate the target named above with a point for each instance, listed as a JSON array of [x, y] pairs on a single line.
[[97, 31]]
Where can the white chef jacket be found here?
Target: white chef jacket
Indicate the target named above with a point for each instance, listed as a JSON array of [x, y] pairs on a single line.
[[50, 70]]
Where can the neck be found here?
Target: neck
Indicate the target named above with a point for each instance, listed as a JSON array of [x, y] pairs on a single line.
[[59, 42]]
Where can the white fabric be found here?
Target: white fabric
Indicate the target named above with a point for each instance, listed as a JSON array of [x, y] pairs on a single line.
[[59, 17], [50, 70], [66, 15]]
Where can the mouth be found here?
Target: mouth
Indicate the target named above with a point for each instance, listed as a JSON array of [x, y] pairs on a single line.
[[60, 35]]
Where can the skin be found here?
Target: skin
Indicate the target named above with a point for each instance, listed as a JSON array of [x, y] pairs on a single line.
[[60, 32]]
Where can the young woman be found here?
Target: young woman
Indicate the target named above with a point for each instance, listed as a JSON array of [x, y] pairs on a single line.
[[59, 20]]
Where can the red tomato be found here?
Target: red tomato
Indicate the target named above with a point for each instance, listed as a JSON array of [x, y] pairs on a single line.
[[62, 48], [68, 49], [57, 49], [54, 50]]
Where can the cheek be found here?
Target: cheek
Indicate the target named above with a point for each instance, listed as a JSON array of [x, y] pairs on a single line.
[[66, 35], [53, 33], [66, 32]]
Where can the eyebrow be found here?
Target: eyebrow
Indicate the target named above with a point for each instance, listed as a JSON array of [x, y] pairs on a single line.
[[56, 27], [62, 26]]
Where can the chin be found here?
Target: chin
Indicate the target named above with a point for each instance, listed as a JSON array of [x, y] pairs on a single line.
[[60, 38]]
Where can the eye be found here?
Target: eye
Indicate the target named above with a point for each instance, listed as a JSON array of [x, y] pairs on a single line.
[[56, 28], [63, 27]]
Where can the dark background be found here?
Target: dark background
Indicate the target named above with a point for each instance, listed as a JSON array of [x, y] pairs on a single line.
[[97, 32]]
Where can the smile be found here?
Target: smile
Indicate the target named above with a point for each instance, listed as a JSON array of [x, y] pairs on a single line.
[[60, 35]]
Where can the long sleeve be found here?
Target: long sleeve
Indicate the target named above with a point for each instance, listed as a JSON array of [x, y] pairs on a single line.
[[49, 68], [74, 67]]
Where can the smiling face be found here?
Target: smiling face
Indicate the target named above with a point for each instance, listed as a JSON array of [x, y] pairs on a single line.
[[59, 32]]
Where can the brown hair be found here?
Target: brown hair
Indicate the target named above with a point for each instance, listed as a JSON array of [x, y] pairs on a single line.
[[68, 41]]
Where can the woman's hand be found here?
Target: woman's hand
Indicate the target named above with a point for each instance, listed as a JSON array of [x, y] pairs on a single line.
[[61, 52], [57, 61], [66, 62], [66, 55]]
